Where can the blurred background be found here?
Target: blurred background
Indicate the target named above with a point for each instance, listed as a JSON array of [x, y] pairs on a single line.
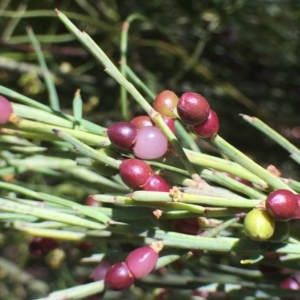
[[243, 56]]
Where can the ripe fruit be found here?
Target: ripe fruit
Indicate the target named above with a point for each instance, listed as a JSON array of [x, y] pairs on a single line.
[[142, 261], [135, 172], [258, 225], [5, 110], [40, 246], [118, 277], [192, 108], [150, 143], [171, 123], [122, 135], [165, 103], [187, 226], [101, 270], [141, 121], [156, 183], [290, 283], [282, 205], [209, 127]]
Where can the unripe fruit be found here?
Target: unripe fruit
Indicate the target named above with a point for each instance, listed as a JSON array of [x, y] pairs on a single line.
[[258, 225], [165, 103], [156, 183], [122, 135], [209, 127], [135, 172], [141, 121], [192, 108], [141, 261], [282, 205], [150, 143], [5, 110], [118, 277]]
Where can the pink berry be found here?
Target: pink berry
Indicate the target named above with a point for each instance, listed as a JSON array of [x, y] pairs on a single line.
[[90, 201], [156, 183], [135, 172], [290, 283], [101, 270], [208, 128], [165, 103], [5, 110], [150, 143], [192, 108], [122, 135], [141, 121], [282, 205], [118, 277], [141, 261]]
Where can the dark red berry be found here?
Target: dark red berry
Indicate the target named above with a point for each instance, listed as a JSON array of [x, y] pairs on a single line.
[[141, 261], [282, 205], [165, 103], [208, 128], [85, 246], [150, 143], [135, 172], [122, 135], [141, 121], [156, 183], [297, 215], [187, 226], [101, 270], [5, 110], [40, 246], [118, 277], [192, 108]]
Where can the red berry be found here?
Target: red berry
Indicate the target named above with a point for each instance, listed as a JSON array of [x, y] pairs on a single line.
[[118, 277], [141, 121], [122, 135], [5, 110], [208, 128], [192, 108], [101, 270], [150, 143], [135, 172], [40, 246], [171, 123], [187, 226], [141, 261], [156, 183], [282, 205], [165, 103], [297, 215]]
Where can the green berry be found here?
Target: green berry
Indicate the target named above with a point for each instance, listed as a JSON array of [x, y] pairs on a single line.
[[258, 225]]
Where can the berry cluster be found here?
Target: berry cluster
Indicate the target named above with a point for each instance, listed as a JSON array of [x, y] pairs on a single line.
[[270, 223], [138, 264], [194, 110], [138, 175]]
